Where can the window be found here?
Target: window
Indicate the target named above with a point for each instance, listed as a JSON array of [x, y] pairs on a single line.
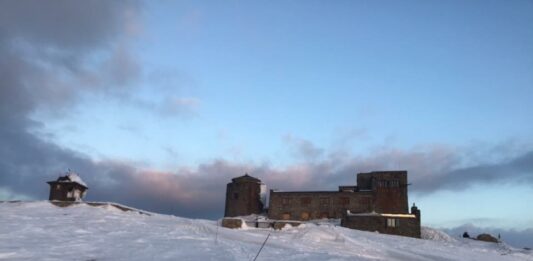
[[393, 222], [305, 201], [286, 216], [58, 186], [324, 201], [304, 215], [389, 183]]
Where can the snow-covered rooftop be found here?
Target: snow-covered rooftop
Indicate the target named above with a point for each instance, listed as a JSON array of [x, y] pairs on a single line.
[[72, 177], [381, 214]]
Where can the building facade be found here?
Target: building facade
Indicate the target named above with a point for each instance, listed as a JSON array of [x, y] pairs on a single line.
[[380, 191], [393, 224], [378, 202]]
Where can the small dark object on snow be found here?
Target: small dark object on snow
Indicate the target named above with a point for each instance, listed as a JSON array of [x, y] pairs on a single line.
[[487, 238], [466, 235]]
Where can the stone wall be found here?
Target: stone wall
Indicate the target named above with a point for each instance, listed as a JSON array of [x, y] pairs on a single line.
[[317, 204], [232, 222], [402, 226], [243, 197], [389, 190]]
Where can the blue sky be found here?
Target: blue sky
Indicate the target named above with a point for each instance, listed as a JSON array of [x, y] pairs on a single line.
[[307, 91]]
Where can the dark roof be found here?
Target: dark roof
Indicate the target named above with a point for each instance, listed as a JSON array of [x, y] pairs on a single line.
[[246, 178], [69, 179], [320, 192], [383, 172]]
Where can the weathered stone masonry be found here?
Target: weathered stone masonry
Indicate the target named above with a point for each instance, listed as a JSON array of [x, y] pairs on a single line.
[[377, 203]]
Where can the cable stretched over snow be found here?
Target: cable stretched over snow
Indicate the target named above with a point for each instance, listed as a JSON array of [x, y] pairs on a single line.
[[262, 246]]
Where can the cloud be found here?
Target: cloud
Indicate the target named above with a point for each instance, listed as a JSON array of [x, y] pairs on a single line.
[[48, 51], [47, 48], [55, 51], [179, 106], [74, 26], [303, 148]]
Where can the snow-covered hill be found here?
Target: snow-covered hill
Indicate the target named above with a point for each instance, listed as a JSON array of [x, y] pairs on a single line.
[[42, 231]]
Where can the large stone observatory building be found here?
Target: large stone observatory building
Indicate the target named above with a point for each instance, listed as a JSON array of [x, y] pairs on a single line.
[[377, 203], [380, 191]]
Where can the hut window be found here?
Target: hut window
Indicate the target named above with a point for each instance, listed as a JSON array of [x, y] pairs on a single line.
[[393, 222], [304, 215], [58, 186], [286, 216]]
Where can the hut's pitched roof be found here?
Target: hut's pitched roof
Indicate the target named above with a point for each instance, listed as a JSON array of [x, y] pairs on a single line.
[[246, 178], [71, 177]]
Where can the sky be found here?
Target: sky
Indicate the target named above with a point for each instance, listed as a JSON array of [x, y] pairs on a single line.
[[158, 104]]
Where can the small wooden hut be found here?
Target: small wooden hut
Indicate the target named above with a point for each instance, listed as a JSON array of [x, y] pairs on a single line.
[[68, 188]]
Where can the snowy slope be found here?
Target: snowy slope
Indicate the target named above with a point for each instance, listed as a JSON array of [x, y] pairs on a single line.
[[41, 231], [436, 235]]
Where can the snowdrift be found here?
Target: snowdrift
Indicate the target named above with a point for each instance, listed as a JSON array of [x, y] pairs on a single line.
[[40, 230]]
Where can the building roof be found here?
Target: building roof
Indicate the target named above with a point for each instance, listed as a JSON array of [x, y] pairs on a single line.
[[246, 178], [383, 172], [374, 214], [70, 177]]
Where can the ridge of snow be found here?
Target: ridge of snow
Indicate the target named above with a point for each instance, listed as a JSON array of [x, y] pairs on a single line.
[[436, 235], [40, 230]]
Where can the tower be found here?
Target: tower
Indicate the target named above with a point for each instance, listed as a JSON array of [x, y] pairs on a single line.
[[243, 196], [389, 189]]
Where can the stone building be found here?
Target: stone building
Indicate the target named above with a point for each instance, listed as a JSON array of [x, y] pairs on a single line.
[[393, 224], [244, 196], [380, 191], [377, 203], [68, 188]]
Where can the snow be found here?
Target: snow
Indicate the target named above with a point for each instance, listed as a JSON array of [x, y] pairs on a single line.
[[263, 195], [436, 235], [76, 178], [42, 231], [381, 215]]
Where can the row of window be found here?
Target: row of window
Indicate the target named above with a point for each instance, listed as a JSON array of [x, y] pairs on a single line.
[[391, 222], [306, 201], [303, 215], [388, 183]]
